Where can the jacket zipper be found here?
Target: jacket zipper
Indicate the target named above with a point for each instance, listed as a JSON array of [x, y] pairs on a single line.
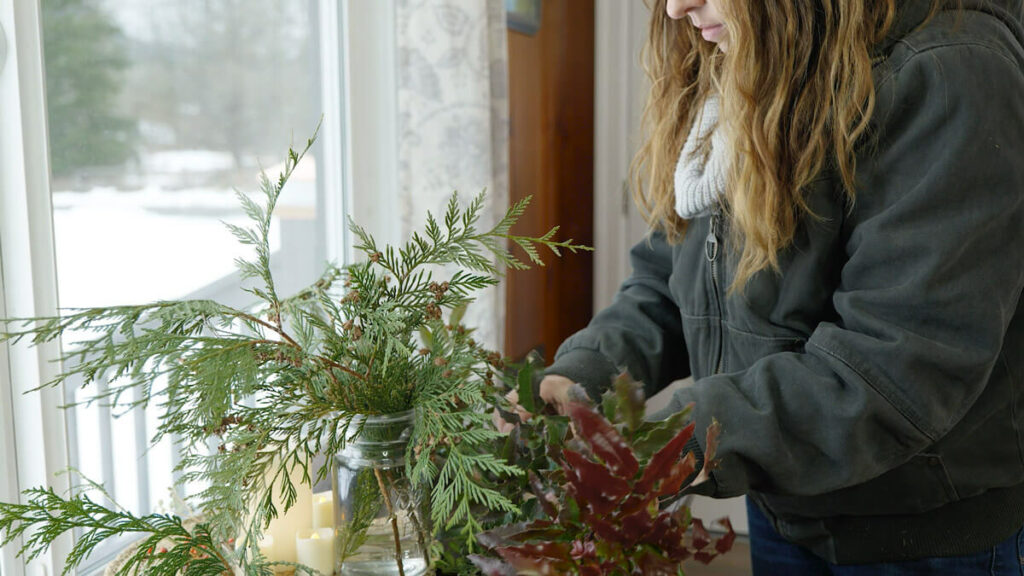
[[712, 247]]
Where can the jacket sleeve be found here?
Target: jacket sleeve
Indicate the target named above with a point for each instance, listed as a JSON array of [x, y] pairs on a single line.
[[932, 280], [640, 332]]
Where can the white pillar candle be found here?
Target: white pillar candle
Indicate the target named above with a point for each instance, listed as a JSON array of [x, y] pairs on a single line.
[[315, 548], [299, 516], [323, 510]]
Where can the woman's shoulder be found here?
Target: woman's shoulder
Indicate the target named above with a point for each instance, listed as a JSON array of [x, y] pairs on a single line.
[[979, 30]]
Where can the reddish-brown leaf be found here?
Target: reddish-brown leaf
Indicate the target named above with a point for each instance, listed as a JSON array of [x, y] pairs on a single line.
[[545, 558], [604, 530], [636, 526], [595, 485], [704, 557], [669, 536], [681, 470], [654, 564], [605, 440], [724, 544], [711, 445], [662, 461], [634, 502], [701, 538]]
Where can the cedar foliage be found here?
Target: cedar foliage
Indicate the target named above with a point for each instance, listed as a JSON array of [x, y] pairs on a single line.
[[274, 385]]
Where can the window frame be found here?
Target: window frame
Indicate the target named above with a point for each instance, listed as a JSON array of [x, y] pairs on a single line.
[[28, 281]]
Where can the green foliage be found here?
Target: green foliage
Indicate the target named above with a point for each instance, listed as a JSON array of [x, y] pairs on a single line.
[[166, 547], [603, 512], [85, 63], [276, 385]]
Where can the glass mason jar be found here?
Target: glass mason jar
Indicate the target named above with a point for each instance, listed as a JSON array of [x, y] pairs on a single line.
[[380, 517]]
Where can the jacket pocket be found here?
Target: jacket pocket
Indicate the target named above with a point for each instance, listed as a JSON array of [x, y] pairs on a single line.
[[919, 485], [743, 349]]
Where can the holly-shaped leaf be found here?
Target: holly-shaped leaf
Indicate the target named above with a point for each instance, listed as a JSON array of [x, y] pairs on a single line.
[[652, 436], [651, 563], [538, 558], [724, 544], [604, 530], [669, 536], [701, 538], [681, 470], [604, 440], [661, 463], [547, 499], [636, 526], [524, 383], [629, 404], [711, 444], [595, 485]]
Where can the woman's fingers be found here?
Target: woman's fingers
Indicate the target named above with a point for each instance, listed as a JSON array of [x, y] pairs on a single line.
[[503, 425], [553, 389]]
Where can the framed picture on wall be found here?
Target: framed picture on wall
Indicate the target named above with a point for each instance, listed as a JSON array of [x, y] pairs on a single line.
[[523, 15]]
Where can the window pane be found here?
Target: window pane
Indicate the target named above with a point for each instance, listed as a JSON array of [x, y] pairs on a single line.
[[158, 111]]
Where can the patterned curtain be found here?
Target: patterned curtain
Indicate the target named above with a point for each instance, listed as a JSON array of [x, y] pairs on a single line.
[[453, 121]]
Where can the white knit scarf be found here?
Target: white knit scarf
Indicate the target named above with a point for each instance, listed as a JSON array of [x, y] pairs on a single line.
[[699, 185]]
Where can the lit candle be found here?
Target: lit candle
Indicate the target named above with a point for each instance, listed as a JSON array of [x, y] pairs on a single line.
[[315, 548], [323, 510]]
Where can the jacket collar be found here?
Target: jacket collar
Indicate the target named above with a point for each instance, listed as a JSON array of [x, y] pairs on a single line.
[[912, 13]]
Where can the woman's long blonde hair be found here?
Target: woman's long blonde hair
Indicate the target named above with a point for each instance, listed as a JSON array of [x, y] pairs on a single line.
[[796, 95]]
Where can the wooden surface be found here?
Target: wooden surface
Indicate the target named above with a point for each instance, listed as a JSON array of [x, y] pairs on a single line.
[[551, 99]]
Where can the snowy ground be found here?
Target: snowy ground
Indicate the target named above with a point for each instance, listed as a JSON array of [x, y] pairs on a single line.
[[123, 247], [120, 247]]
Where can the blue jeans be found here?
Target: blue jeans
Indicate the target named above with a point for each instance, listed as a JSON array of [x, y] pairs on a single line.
[[772, 555]]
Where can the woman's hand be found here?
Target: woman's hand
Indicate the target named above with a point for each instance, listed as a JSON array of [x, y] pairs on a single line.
[[554, 390]]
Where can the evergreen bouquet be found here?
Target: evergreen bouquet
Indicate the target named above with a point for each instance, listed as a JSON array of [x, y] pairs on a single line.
[[274, 386]]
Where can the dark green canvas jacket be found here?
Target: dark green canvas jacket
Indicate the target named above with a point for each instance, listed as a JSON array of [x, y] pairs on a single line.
[[872, 392]]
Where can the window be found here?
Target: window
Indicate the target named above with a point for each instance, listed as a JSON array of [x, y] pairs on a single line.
[[157, 111]]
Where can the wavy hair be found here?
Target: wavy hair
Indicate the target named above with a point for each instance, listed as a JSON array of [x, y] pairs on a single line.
[[796, 96]]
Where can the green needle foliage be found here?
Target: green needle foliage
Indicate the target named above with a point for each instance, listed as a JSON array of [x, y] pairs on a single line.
[[274, 385], [165, 548]]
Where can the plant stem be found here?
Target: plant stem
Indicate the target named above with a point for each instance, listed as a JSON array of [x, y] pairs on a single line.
[[224, 562], [394, 520], [280, 331], [413, 516]]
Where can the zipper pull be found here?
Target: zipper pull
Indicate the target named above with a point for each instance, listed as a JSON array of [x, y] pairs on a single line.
[[711, 245]]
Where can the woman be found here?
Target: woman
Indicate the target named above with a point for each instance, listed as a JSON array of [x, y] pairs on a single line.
[[836, 192]]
